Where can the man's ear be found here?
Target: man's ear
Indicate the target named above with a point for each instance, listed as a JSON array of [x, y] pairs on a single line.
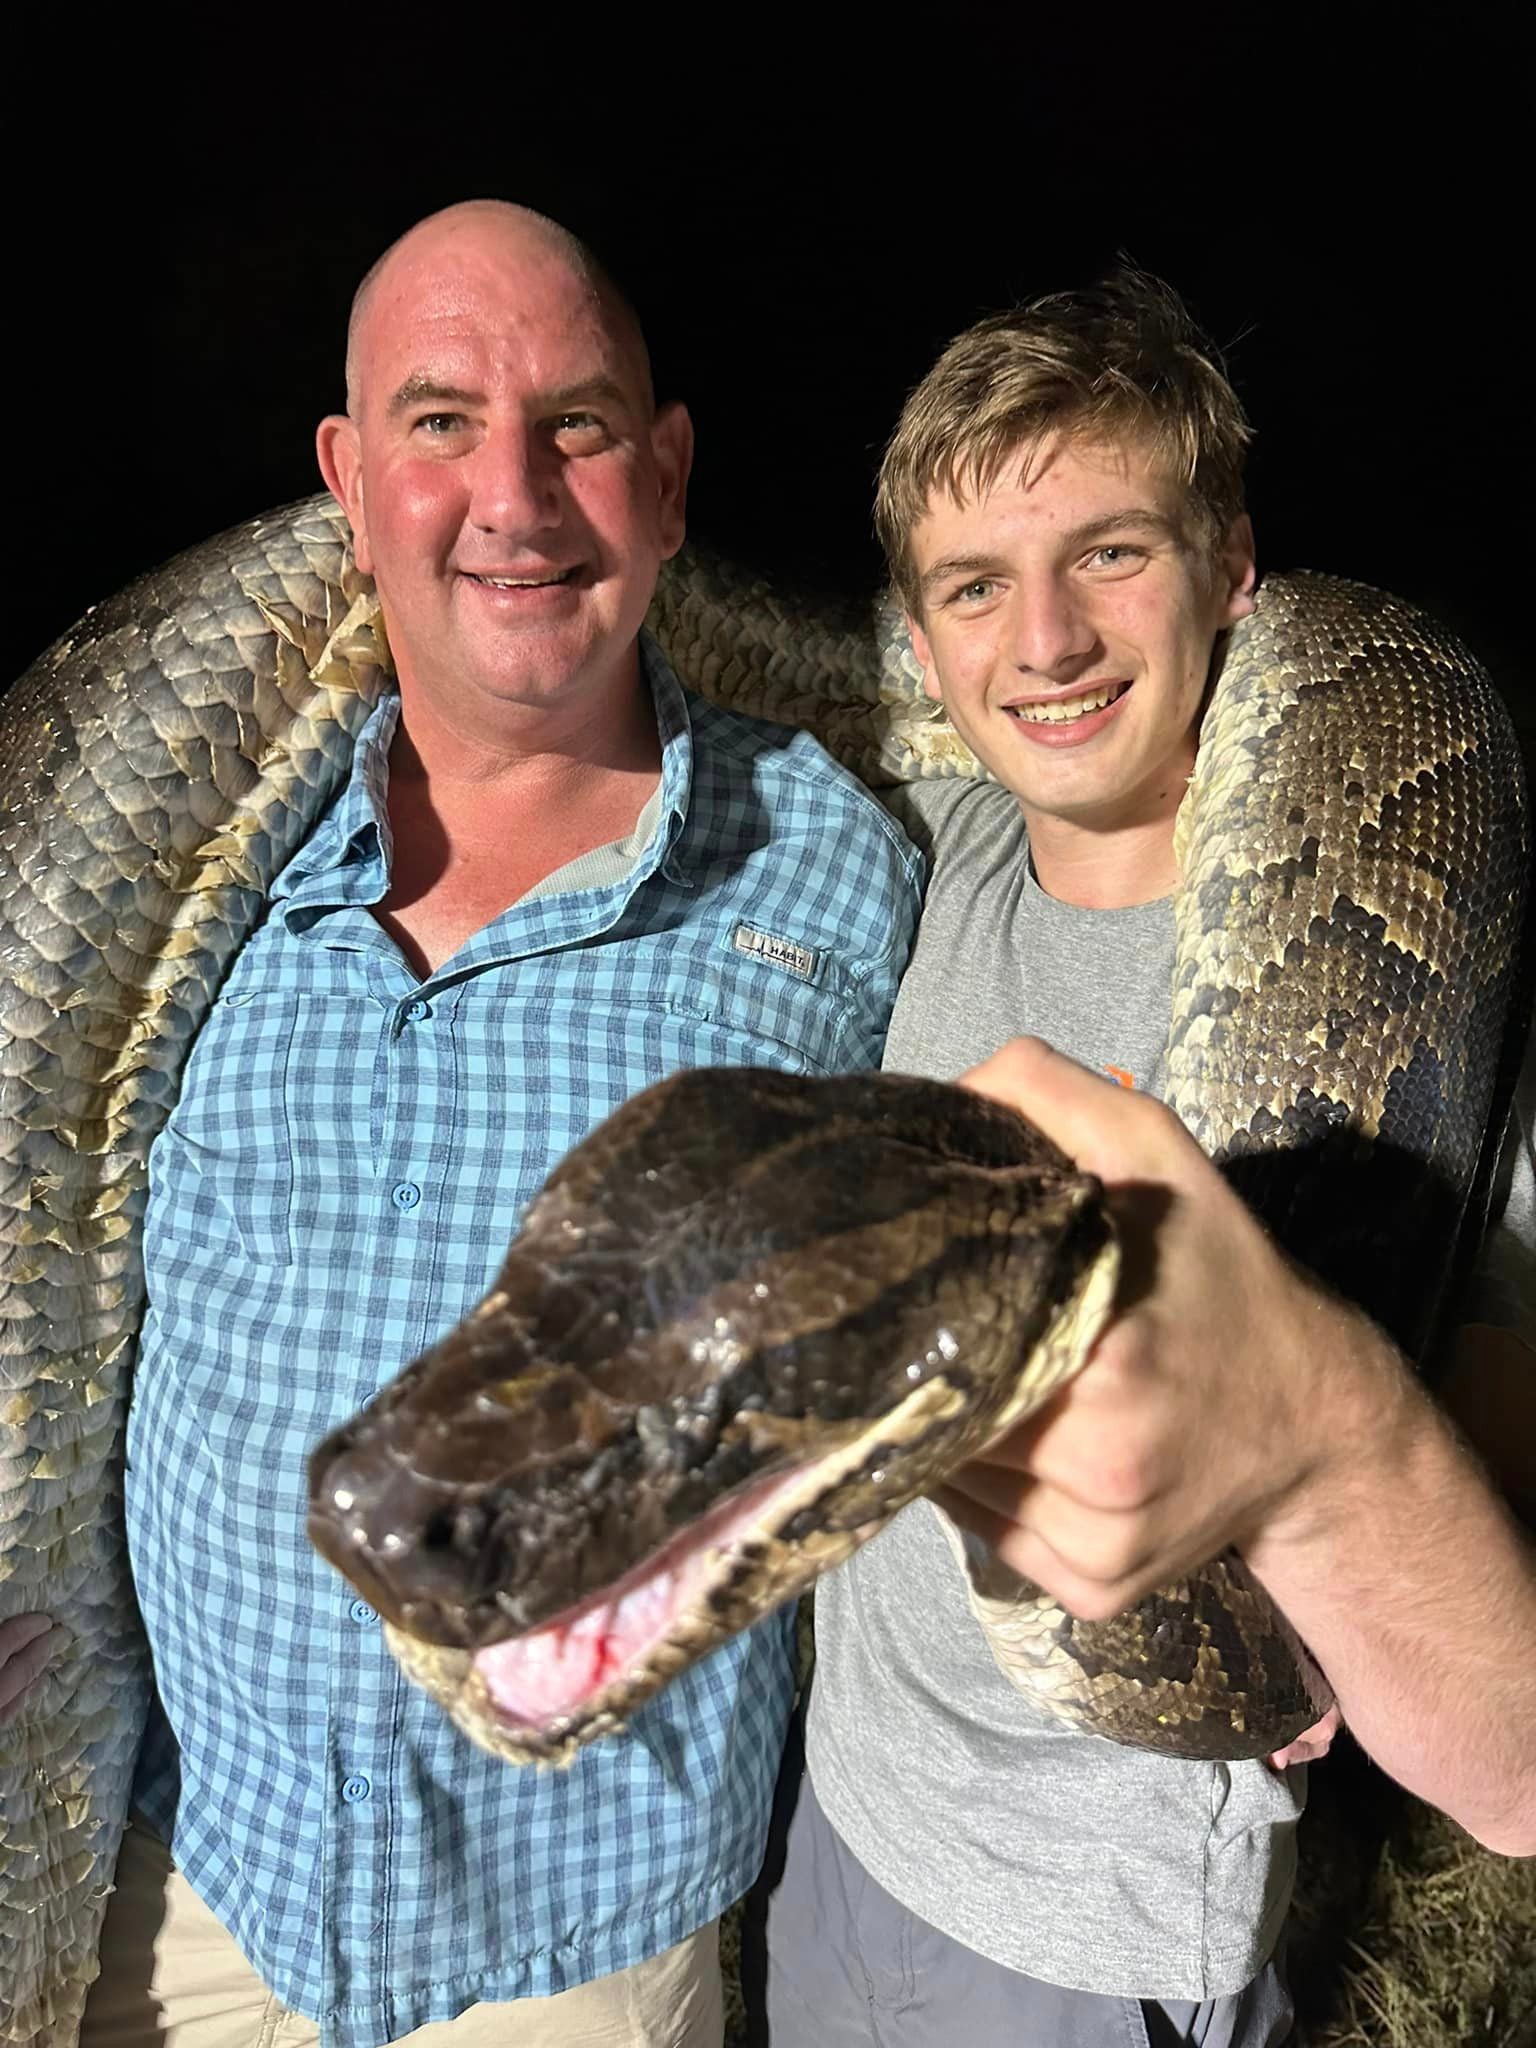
[[672, 452], [1238, 567], [922, 648], [340, 453]]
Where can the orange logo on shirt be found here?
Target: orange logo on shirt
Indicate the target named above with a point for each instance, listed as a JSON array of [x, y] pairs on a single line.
[[1126, 1080]]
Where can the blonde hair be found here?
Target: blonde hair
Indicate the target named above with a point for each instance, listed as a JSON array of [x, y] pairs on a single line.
[[1122, 361]]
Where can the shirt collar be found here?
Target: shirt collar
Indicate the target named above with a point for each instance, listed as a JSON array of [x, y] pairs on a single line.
[[674, 728], [347, 858], [354, 835]]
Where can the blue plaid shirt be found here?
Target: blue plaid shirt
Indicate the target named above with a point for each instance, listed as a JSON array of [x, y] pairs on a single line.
[[349, 1156]]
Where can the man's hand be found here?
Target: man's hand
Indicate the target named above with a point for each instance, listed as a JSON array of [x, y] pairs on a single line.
[[1209, 1410], [1232, 1400], [27, 1641]]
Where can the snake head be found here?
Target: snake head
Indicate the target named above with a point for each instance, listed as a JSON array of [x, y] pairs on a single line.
[[745, 1321]]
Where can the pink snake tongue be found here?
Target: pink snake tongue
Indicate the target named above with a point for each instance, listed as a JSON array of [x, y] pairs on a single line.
[[551, 1672]]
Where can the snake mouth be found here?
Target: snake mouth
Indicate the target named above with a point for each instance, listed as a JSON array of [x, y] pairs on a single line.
[[582, 1673], [539, 1696], [556, 1675]]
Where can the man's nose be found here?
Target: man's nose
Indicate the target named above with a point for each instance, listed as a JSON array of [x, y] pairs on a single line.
[[1051, 631], [516, 483]]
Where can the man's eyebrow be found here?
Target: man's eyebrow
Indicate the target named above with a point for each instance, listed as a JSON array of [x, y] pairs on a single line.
[[424, 390], [418, 389], [960, 565], [1142, 517], [571, 395]]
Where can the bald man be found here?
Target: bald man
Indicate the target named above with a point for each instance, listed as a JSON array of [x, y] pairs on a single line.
[[545, 884]]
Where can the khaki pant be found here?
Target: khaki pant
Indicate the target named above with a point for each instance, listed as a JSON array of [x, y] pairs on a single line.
[[172, 1977]]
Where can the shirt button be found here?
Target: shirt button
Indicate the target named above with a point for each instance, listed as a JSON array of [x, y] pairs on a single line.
[[356, 1788], [415, 1011], [405, 1194], [361, 1612], [234, 1001]]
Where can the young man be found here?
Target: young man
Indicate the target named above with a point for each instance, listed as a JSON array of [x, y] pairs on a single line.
[[521, 908], [1061, 505]]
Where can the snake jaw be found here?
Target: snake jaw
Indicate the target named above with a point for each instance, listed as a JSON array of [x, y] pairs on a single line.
[[539, 1697], [548, 1675]]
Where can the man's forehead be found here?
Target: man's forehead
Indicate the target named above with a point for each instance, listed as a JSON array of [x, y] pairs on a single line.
[[1055, 483], [462, 327], [458, 315], [445, 307]]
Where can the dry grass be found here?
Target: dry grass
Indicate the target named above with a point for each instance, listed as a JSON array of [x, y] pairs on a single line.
[[1405, 1933]]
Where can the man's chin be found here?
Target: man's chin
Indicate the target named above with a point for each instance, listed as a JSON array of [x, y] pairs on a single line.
[[528, 657]]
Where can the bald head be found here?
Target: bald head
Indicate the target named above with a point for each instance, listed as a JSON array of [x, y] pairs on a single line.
[[474, 232]]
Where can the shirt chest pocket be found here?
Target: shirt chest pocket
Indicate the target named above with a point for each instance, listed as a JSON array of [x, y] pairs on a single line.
[[763, 1011], [221, 1172]]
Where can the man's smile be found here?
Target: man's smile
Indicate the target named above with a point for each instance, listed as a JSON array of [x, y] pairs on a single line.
[[1070, 718], [1057, 709], [544, 579], [531, 594]]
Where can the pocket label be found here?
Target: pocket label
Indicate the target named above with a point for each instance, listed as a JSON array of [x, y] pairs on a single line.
[[801, 961]]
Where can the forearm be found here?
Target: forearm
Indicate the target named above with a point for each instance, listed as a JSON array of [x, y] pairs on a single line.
[[1416, 1590]]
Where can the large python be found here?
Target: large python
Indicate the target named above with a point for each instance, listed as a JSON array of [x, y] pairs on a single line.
[[1353, 852]]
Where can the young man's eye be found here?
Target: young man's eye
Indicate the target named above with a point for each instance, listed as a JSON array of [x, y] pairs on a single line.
[[977, 591], [1115, 554]]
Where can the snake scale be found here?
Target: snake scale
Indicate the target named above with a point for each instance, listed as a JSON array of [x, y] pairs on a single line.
[[1353, 852]]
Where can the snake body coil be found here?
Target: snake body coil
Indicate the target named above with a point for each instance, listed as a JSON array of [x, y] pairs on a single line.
[[1353, 853]]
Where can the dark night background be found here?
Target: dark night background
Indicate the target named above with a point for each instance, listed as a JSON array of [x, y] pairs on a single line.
[[1344, 199]]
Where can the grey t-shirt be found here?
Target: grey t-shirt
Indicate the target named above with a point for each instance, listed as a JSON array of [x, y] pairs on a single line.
[[1068, 1857]]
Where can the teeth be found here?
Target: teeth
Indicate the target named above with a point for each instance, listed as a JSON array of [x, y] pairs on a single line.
[[519, 582], [1061, 711]]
